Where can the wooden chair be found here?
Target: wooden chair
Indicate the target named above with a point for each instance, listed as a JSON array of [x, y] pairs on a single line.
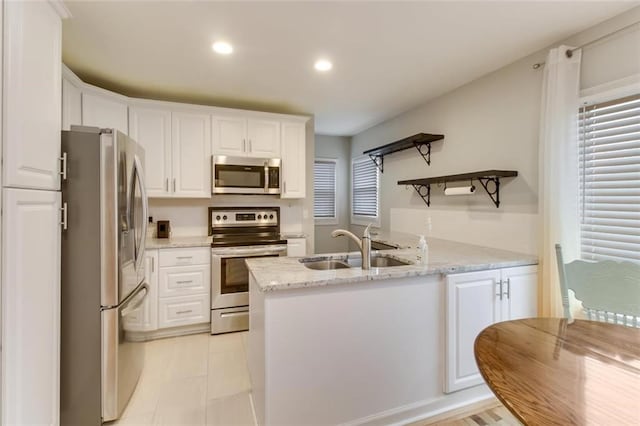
[[609, 291]]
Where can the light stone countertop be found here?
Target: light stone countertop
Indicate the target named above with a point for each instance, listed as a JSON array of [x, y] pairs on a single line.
[[444, 257], [178, 242], [396, 239]]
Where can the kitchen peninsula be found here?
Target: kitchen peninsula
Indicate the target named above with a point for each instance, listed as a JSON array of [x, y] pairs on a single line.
[[380, 346]]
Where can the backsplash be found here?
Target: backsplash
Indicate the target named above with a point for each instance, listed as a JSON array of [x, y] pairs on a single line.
[[188, 217]]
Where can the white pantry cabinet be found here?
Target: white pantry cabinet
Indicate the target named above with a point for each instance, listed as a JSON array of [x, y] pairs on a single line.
[[293, 160], [151, 128], [31, 307], [474, 301], [146, 319], [31, 86], [105, 110], [191, 155], [245, 137], [71, 104]]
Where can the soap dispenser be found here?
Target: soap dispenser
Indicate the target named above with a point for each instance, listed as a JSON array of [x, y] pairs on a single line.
[[423, 251]]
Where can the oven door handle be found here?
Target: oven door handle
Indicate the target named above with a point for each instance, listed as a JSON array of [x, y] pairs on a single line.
[[256, 251]]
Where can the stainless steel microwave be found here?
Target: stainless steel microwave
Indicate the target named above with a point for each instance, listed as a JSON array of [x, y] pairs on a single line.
[[245, 175]]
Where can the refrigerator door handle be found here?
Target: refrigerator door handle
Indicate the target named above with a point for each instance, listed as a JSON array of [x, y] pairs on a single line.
[[135, 305], [137, 164]]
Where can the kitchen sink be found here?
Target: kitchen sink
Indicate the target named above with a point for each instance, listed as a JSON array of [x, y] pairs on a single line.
[[327, 263], [324, 265]]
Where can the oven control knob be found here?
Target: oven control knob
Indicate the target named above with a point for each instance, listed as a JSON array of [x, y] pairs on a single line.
[[224, 217], [218, 217], [259, 217], [270, 216]]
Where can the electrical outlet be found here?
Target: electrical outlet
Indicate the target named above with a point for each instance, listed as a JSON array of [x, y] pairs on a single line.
[[150, 219]]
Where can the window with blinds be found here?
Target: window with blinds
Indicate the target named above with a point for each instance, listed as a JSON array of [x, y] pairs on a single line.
[[364, 190], [324, 189], [609, 155]]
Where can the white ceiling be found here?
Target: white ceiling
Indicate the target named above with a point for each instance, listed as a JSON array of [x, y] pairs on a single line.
[[388, 56]]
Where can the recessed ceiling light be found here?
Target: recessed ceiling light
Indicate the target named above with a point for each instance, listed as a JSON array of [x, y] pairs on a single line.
[[323, 65], [222, 47]]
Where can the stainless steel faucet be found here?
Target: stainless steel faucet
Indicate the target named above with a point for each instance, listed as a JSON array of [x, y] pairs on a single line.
[[364, 244]]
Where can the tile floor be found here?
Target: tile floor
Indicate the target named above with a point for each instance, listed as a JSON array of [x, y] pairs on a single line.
[[204, 380], [193, 380]]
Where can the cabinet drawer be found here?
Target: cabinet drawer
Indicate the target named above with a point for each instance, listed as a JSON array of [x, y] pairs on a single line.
[[185, 256], [184, 310], [184, 280]]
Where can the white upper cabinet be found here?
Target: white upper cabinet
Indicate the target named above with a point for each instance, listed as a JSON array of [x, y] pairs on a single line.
[[32, 92], [263, 138], [245, 137], [293, 160], [104, 111], [31, 307], [229, 135], [151, 128], [191, 155], [71, 105]]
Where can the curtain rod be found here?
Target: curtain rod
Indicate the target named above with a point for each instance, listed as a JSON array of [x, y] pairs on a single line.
[[569, 52]]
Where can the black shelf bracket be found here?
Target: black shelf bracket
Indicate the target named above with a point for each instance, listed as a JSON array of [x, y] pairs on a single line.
[[425, 154], [424, 191], [495, 193], [378, 160]]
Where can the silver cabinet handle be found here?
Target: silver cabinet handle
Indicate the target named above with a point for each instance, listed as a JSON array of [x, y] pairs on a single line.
[[250, 148], [63, 166], [285, 187], [500, 290], [167, 184], [184, 312], [153, 264], [174, 184], [64, 211], [508, 293], [244, 145], [184, 282], [184, 257]]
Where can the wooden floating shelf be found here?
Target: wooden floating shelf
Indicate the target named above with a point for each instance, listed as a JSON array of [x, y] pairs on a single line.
[[423, 185], [421, 141]]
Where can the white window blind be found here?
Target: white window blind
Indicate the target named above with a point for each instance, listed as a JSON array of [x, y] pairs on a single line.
[[364, 198], [609, 147], [324, 189]]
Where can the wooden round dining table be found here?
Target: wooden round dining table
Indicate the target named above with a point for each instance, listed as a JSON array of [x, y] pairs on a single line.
[[549, 372]]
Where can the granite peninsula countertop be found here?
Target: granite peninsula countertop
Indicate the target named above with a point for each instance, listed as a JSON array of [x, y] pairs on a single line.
[[445, 257]]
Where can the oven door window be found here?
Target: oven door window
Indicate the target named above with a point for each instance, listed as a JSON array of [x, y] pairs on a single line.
[[235, 276], [230, 176]]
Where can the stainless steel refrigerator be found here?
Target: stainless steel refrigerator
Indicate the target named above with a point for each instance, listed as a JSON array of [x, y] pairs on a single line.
[[103, 279]]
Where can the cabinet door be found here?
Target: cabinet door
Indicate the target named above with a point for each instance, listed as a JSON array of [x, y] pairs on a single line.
[[105, 112], [146, 319], [229, 136], [263, 138], [191, 163], [296, 247], [31, 304], [520, 292], [32, 91], [293, 160], [472, 303], [71, 105], [151, 128]]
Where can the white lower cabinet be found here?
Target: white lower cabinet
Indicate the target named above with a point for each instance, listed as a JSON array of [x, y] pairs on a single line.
[[184, 285], [474, 301], [296, 247], [31, 307]]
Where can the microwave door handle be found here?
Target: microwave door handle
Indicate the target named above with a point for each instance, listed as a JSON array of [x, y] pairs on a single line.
[[266, 177]]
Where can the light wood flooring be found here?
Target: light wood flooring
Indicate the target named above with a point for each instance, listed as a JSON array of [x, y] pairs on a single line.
[[204, 380]]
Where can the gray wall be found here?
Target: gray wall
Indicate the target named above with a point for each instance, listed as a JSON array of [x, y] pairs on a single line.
[[338, 148], [490, 123]]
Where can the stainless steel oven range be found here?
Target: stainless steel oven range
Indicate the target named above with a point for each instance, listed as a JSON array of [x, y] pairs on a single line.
[[238, 234]]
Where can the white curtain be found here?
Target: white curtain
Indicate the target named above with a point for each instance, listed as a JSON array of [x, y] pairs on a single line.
[[558, 172]]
